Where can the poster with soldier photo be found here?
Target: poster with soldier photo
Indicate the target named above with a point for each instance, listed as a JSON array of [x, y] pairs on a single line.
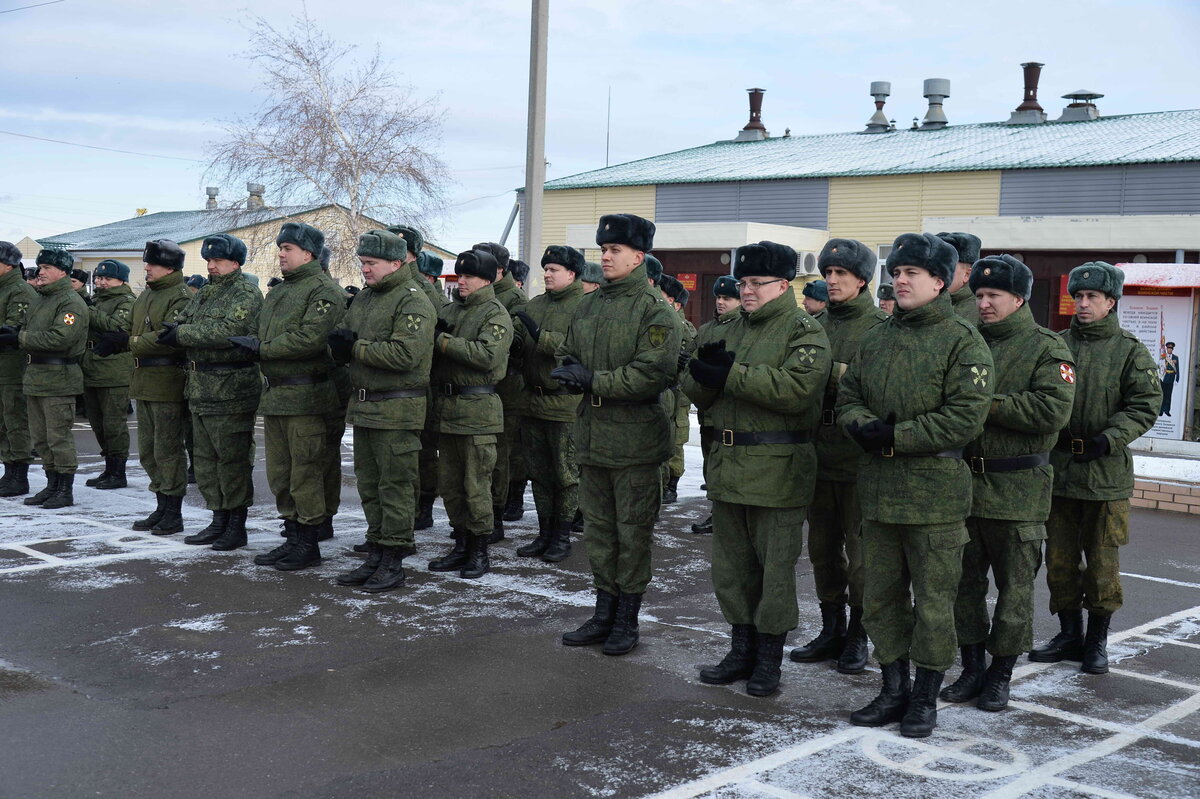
[[1158, 320]]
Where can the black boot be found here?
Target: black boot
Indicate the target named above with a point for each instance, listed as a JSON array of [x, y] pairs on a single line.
[[171, 520], [671, 492], [91, 481], [829, 642], [305, 552], [424, 518], [478, 563], [364, 547], [454, 558], [234, 536], [970, 682], [216, 527], [768, 657], [325, 529], [921, 716], [994, 696], [704, 527], [366, 568], [278, 553], [538, 545], [1095, 645], [7, 478], [577, 522], [560, 544], [18, 484], [624, 635], [514, 509], [497, 533], [853, 659], [115, 474], [596, 629], [738, 663], [390, 572], [892, 701], [64, 497], [45, 493], [155, 515], [1068, 644]]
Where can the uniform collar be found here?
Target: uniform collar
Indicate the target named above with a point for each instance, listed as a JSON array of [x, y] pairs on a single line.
[[16, 273], [504, 283], [1105, 328], [169, 280], [931, 313], [851, 309], [1018, 320], [114, 291], [477, 296], [633, 282], [305, 270], [62, 284], [217, 280], [782, 304], [572, 289]]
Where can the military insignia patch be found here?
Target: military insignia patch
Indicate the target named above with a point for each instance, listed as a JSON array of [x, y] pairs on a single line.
[[497, 332], [323, 306], [412, 323], [69, 319], [1066, 372], [240, 314], [657, 335], [808, 355], [22, 307], [979, 375]]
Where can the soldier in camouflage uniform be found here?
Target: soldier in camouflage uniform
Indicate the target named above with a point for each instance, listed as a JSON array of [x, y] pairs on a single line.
[[335, 420], [474, 334], [816, 299], [223, 387], [54, 337], [834, 518], [677, 296], [887, 298], [15, 298], [157, 384], [1011, 481], [388, 342], [966, 245], [550, 408], [106, 377], [621, 351], [761, 386], [1117, 399], [298, 392], [921, 396]]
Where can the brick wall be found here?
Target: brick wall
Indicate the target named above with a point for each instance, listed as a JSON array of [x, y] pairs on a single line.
[[1178, 497]]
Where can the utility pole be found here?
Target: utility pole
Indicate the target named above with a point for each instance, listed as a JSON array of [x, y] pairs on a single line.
[[535, 151]]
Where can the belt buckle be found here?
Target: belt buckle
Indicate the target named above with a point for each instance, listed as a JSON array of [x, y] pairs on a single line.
[[981, 465], [727, 438], [29, 359], [888, 452], [827, 417], [448, 389], [137, 363], [362, 395], [596, 401], [192, 366], [1077, 446]]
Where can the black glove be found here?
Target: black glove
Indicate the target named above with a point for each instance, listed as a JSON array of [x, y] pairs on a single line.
[[441, 326], [573, 375], [249, 344], [531, 327], [169, 337], [111, 343], [9, 337], [341, 344], [711, 368], [710, 351], [875, 435], [684, 357], [1093, 448]]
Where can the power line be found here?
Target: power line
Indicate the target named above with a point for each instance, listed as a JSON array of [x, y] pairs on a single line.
[[97, 147], [35, 5]]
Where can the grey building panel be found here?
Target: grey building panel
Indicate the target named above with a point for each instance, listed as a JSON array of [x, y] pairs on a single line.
[[1133, 189], [803, 203], [1162, 189]]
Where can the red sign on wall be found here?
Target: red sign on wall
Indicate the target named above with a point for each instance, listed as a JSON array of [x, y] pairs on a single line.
[[688, 279], [1066, 303]]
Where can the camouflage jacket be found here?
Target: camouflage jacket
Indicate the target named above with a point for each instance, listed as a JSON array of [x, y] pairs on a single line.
[[228, 305], [512, 388], [1034, 387], [553, 312], [436, 298], [964, 304], [629, 337], [1117, 395], [394, 321], [112, 309], [160, 302], [776, 385], [473, 353], [16, 297], [932, 370], [55, 326], [711, 332]]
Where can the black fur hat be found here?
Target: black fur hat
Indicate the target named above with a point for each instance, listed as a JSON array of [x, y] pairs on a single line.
[[673, 288], [306, 237], [519, 270], [765, 259], [323, 258], [726, 286], [113, 268], [57, 258], [816, 290], [498, 251], [81, 275], [627, 229], [479, 263], [926, 251], [163, 252], [853, 256], [429, 264], [1001, 272], [564, 256], [885, 292], [654, 269], [224, 247], [10, 255], [412, 237], [965, 244], [592, 273], [1097, 276]]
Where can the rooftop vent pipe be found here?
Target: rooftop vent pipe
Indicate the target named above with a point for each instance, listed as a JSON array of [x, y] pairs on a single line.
[[1082, 108], [1029, 112], [211, 204], [878, 123], [754, 130], [255, 201], [936, 90]]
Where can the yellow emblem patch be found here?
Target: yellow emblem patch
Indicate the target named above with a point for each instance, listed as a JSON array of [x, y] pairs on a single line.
[[808, 355], [69, 319], [412, 323], [979, 376], [657, 335], [323, 306], [498, 332]]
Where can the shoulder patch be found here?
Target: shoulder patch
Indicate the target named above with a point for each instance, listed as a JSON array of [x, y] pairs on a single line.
[[323, 305], [979, 375], [807, 354], [1067, 372], [657, 335], [498, 331], [412, 323]]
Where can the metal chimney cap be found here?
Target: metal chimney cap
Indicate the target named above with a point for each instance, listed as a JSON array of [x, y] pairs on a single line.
[[881, 87], [255, 188], [1032, 64], [211, 191], [1082, 95], [937, 87]]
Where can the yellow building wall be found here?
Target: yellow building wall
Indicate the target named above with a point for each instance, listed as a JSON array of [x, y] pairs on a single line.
[[875, 210], [586, 206]]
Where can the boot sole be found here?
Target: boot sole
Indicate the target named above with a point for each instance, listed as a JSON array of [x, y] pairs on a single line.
[[382, 589], [1086, 670], [915, 733], [172, 531], [194, 541], [730, 681], [445, 568], [587, 642], [227, 547], [556, 559], [760, 693], [291, 568], [619, 652]]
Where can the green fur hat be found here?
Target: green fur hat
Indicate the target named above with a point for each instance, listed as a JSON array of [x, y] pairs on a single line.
[[1097, 276]]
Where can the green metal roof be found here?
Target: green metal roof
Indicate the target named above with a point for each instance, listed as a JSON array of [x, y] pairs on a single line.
[[1133, 139], [178, 226]]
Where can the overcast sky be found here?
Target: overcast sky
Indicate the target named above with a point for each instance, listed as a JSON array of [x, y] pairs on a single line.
[[156, 77]]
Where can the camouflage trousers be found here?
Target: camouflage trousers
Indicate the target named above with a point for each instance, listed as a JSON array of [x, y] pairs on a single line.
[[754, 552], [835, 542], [1083, 568], [507, 443], [550, 453], [160, 432], [385, 465], [335, 431], [107, 414], [911, 574], [426, 486], [683, 431], [706, 440], [15, 444], [1013, 553], [465, 468], [224, 459], [50, 420], [297, 465], [619, 509]]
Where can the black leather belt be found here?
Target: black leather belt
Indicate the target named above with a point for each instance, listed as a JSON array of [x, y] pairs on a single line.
[[542, 391], [1075, 446], [297, 380], [449, 389], [599, 402], [1014, 464], [218, 366], [378, 396], [890, 452], [139, 363], [731, 438], [50, 360]]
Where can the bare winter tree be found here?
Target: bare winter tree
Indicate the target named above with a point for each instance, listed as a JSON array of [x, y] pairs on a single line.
[[334, 131]]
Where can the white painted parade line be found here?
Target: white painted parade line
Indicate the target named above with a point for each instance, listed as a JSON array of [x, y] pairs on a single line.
[[1164, 580]]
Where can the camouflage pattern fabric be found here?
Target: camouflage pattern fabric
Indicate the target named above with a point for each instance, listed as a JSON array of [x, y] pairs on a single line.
[[465, 464], [161, 302], [297, 457], [754, 552], [1012, 551], [619, 508], [15, 442], [56, 326], [550, 448], [50, 420], [160, 445], [111, 310], [835, 542], [228, 305], [385, 465], [965, 305], [1083, 564], [107, 413], [224, 458], [16, 298]]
